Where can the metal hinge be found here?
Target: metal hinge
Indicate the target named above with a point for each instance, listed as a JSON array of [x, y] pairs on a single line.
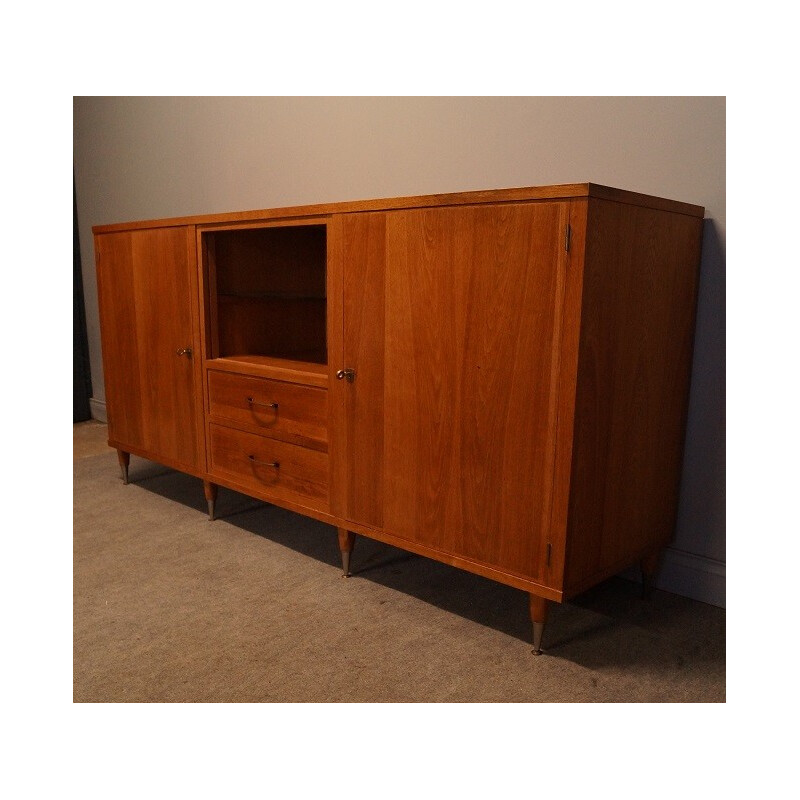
[[567, 236]]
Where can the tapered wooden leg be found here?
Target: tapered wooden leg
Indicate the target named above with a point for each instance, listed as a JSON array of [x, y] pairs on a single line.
[[210, 491], [649, 566], [346, 541], [124, 461], [539, 608]]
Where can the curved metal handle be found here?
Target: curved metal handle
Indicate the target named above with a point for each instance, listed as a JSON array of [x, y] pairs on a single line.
[[276, 464], [185, 351], [349, 374], [257, 403]]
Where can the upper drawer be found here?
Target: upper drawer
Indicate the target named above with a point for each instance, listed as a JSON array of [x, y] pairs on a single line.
[[287, 411]]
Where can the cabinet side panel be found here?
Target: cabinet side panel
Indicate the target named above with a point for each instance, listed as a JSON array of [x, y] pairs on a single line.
[[637, 331], [114, 257]]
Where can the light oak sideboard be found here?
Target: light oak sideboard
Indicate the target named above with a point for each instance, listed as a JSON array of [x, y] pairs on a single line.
[[496, 379]]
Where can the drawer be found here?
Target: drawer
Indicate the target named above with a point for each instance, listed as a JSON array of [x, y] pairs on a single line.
[[270, 465], [287, 411]]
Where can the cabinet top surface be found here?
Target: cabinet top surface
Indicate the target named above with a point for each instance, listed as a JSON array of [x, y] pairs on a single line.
[[561, 192]]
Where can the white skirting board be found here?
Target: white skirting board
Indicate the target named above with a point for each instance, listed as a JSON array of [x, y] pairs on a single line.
[[98, 410], [682, 573], [689, 575]]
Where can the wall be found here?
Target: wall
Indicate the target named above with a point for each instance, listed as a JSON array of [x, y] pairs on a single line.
[[144, 158]]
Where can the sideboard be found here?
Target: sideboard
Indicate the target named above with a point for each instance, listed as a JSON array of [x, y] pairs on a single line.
[[494, 379]]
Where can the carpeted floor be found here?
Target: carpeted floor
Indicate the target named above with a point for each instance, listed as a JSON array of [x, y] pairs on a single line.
[[169, 607]]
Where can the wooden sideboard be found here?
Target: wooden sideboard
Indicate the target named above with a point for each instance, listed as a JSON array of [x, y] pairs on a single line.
[[496, 379]]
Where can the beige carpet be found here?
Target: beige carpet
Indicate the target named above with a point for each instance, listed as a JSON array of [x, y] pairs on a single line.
[[251, 608]]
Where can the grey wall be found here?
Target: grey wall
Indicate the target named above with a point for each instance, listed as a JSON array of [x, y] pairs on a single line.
[[144, 158]]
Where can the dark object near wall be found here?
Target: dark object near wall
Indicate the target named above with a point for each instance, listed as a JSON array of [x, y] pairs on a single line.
[[81, 376]]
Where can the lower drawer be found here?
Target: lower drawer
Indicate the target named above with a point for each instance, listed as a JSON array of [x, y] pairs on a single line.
[[270, 466]]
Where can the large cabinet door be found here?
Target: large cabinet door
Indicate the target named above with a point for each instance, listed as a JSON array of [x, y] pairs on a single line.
[[472, 317], [148, 313], [452, 320]]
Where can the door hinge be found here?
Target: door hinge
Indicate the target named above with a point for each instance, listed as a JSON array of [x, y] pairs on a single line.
[[567, 236]]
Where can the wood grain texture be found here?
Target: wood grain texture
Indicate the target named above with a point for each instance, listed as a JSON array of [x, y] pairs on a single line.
[[290, 214], [566, 387], [246, 402], [361, 419], [118, 323], [287, 260], [637, 329], [302, 475], [287, 328], [337, 439], [208, 282], [199, 380], [644, 200], [147, 294], [471, 338], [304, 373]]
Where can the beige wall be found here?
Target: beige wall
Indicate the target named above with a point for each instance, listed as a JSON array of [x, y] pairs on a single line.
[[143, 158]]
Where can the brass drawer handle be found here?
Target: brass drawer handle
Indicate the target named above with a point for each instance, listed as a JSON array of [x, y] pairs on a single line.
[[257, 403], [276, 464]]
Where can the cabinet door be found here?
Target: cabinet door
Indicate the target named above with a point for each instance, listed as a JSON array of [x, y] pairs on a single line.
[[472, 317], [357, 271], [148, 304]]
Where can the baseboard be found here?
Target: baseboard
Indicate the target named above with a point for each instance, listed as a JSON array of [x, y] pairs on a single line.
[[98, 410], [689, 575]]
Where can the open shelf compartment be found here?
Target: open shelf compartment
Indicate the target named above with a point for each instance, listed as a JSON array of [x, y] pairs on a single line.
[[267, 292]]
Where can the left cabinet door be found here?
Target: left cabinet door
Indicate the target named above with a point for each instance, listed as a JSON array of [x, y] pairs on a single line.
[[149, 324]]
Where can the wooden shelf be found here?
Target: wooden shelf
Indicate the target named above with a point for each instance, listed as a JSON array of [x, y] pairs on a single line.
[[256, 296], [307, 373]]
